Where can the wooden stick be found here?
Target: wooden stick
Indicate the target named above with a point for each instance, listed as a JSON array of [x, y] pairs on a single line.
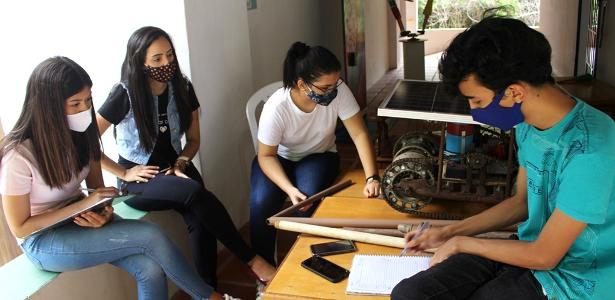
[[364, 237], [382, 231], [333, 189], [362, 223]]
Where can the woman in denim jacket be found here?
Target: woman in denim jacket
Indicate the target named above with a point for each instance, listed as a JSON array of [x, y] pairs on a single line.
[[151, 108]]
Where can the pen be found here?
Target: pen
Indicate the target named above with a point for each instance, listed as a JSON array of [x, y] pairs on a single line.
[[422, 227]]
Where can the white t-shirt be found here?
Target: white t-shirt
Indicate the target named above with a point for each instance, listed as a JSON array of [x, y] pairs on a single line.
[[299, 134]]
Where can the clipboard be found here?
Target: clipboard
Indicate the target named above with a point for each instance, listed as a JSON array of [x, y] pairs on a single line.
[[99, 205]]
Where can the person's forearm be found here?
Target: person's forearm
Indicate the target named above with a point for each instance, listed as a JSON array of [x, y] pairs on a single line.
[[37, 222], [366, 154], [273, 170], [112, 167], [190, 150], [509, 212], [513, 252]]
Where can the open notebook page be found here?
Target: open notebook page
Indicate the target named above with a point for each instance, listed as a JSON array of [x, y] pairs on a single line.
[[378, 274]]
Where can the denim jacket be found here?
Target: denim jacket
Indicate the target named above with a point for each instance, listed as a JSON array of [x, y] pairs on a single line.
[[127, 135]]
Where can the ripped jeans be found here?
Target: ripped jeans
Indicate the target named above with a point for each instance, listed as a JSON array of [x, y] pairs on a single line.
[[138, 247]]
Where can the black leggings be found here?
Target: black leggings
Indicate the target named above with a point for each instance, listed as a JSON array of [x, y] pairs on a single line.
[[204, 215]]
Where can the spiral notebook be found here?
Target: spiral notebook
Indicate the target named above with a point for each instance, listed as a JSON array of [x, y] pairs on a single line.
[[378, 274]]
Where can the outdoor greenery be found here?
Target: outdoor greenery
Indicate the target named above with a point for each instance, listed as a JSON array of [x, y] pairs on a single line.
[[463, 13]]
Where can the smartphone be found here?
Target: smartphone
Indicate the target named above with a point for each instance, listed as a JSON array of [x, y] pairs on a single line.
[[325, 268], [336, 247]]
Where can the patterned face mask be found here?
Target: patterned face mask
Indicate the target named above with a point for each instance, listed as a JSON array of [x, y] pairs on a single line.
[[162, 73]]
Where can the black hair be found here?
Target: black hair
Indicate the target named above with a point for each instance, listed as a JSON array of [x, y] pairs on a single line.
[[133, 73], [60, 153], [499, 52], [308, 63]]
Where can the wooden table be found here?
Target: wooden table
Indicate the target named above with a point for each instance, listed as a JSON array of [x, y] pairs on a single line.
[[358, 183], [295, 282]]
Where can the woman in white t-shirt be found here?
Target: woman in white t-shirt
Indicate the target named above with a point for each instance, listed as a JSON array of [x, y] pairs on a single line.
[[54, 147], [296, 154]]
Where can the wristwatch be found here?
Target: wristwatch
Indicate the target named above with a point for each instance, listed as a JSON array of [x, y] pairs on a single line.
[[372, 178]]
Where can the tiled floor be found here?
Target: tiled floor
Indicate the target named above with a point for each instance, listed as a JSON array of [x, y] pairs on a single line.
[[233, 275]]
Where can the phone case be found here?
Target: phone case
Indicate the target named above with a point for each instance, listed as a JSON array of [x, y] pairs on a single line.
[[342, 273], [315, 251]]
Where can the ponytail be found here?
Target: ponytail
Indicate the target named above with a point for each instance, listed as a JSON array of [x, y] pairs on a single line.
[[307, 63]]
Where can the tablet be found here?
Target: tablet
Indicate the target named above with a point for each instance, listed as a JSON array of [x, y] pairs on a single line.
[[96, 207]]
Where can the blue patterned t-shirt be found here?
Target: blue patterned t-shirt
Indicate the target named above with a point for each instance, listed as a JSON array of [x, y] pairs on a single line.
[[571, 166]]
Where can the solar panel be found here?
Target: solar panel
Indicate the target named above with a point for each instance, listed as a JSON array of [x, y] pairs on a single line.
[[424, 100]]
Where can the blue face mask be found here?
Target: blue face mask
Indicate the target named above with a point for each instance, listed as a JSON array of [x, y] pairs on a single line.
[[324, 99], [498, 116]]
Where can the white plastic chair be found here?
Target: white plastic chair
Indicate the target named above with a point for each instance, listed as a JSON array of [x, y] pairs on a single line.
[[258, 99]]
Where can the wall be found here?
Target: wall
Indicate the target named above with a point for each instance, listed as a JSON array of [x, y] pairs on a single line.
[[437, 40], [275, 24], [377, 18], [558, 22], [606, 54], [221, 65]]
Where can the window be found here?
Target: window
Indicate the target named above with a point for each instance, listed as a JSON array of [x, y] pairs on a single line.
[[463, 13]]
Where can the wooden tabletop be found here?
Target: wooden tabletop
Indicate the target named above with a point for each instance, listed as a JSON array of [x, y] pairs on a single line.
[[358, 183], [295, 282]]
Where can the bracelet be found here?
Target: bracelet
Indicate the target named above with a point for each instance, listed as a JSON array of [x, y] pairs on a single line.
[[372, 178], [184, 158], [181, 164]]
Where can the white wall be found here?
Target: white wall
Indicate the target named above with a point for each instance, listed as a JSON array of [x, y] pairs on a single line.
[[376, 40], [558, 22], [221, 65], [606, 54], [94, 36], [275, 24]]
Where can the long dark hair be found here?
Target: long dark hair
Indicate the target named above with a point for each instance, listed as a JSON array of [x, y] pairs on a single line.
[[134, 75], [308, 63], [59, 152]]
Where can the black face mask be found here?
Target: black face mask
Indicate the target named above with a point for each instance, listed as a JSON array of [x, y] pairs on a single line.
[[324, 99]]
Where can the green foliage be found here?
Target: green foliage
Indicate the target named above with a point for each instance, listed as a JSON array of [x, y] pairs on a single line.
[[464, 13]]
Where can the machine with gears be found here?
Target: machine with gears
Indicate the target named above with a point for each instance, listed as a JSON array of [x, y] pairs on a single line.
[[455, 160]]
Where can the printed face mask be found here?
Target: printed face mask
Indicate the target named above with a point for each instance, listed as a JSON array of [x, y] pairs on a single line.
[[162, 73], [80, 121], [498, 116], [324, 99]]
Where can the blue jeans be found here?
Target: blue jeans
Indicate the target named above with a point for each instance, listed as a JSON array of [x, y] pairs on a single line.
[[310, 175], [138, 247]]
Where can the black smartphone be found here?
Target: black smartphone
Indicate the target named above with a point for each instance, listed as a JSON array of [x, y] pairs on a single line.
[[336, 247], [325, 268]]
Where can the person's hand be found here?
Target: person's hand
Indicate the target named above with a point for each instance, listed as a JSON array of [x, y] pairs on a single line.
[[177, 172], [296, 196], [140, 173], [179, 168], [372, 189], [430, 238], [448, 249], [95, 220]]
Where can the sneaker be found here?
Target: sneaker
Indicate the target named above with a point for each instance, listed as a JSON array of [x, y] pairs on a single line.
[[229, 297], [260, 290]]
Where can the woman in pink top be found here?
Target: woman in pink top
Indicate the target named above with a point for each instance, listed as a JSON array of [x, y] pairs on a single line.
[[54, 147]]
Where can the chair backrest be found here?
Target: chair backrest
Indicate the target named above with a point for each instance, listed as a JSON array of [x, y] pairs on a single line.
[[260, 97]]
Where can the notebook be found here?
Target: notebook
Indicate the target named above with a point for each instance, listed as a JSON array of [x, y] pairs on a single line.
[[378, 274]]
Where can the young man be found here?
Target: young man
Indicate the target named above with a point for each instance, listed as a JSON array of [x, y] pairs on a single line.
[[564, 196]]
